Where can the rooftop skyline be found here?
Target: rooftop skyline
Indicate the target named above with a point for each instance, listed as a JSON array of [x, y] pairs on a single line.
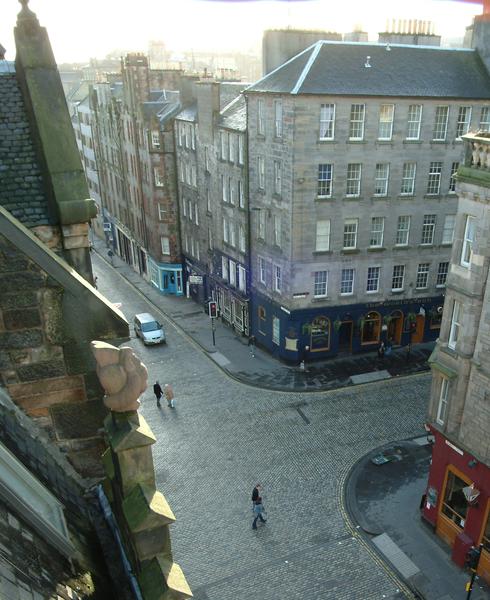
[[94, 29]]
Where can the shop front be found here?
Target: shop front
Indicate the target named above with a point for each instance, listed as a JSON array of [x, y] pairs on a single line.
[[320, 333], [232, 306], [166, 277], [457, 501]]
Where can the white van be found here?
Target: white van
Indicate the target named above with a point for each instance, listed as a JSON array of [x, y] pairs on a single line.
[[149, 329]]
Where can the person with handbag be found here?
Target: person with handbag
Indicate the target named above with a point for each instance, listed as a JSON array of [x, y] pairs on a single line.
[[258, 511]]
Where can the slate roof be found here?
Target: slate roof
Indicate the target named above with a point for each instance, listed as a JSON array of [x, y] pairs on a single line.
[[189, 113], [234, 116], [337, 68], [21, 185]]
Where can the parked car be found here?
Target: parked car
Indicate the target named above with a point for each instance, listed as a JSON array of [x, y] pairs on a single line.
[[149, 329]]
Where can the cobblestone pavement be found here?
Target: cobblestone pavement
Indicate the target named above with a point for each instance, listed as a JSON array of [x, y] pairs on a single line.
[[223, 437]]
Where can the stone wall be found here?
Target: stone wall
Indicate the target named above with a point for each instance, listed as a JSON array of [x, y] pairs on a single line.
[[45, 362]]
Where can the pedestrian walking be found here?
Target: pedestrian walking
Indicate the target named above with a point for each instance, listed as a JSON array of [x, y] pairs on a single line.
[[259, 512], [251, 345], [95, 282], [381, 350], [256, 494], [169, 395], [157, 390]]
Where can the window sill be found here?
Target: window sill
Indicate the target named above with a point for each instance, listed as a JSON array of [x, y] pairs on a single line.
[[439, 142], [407, 141], [421, 290], [440, 286], [405, 247], [327, 141], [321, 252], [350, 251], [372, 293], [380, 197], [347, 295], [317, 299], [324, 199], [406, 196], [349, 141], [446, 244], [376, 249], [382, 142], [433, 196], [352, 197], [397, 292], [429, 246]]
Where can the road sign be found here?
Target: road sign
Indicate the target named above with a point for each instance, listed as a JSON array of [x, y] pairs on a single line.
[[195, 279]]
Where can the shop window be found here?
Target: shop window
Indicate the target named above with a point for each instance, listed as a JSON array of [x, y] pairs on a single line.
[[276, 331], [454, 505], [371, 328], [262, 316], [320, 334], [436, 318]]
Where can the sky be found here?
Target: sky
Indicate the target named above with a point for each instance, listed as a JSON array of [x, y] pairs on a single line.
[[93, 28]]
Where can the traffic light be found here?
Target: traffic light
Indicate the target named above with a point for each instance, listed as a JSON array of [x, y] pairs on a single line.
[[213, 309], [472, 558]]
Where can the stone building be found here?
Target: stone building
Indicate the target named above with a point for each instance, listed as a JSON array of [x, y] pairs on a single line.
[[212, 160], [135, 154], [82, 122], [352, 151], [63, 535], [458, 495]]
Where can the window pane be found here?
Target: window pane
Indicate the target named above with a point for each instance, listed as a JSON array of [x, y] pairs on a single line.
[[320, 284], [385, 121], [440, 124], [428, 229], [381, 179], [464, 119], [325, 180], [353, 179], [377, 229], [347, 281], [414, 119], [403, 230], [322, 236], [422, 276], [356, 129], [442, 272], [373, 279], [327, 120], [408, 178], [434, 183], [398, 277], [350, 233]]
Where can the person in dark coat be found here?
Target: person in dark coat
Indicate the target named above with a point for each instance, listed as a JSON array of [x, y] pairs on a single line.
[[256, 494], [157, 390]]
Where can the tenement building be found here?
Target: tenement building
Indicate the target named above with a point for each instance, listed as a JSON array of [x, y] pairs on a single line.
[[211, 154], [458, 494], [135, 153], [352, 152]]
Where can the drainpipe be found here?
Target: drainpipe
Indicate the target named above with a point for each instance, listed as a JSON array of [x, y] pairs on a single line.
[[113, 526]]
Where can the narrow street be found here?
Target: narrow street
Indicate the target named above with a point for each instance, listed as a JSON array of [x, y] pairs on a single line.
[[223, 437]]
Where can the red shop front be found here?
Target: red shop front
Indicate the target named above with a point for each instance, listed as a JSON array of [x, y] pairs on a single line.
[[460, 514]]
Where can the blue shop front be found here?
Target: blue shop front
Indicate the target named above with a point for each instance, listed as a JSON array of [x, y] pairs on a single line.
[[320, 333], [166, 277]]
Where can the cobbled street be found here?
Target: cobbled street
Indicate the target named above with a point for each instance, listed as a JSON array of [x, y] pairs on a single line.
[[223, 437]]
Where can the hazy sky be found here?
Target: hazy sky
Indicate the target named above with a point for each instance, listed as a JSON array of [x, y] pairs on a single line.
[[88, 28]]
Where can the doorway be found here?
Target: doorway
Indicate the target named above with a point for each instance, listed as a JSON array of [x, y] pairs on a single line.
[[395, 327], [345, 336], [418, 334]]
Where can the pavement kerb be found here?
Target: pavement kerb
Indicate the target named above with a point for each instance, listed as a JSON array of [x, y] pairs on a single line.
[[354, 521], [231, 374]]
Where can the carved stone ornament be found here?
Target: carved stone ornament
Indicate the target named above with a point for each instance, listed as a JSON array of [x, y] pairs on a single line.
[[122, 375]]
